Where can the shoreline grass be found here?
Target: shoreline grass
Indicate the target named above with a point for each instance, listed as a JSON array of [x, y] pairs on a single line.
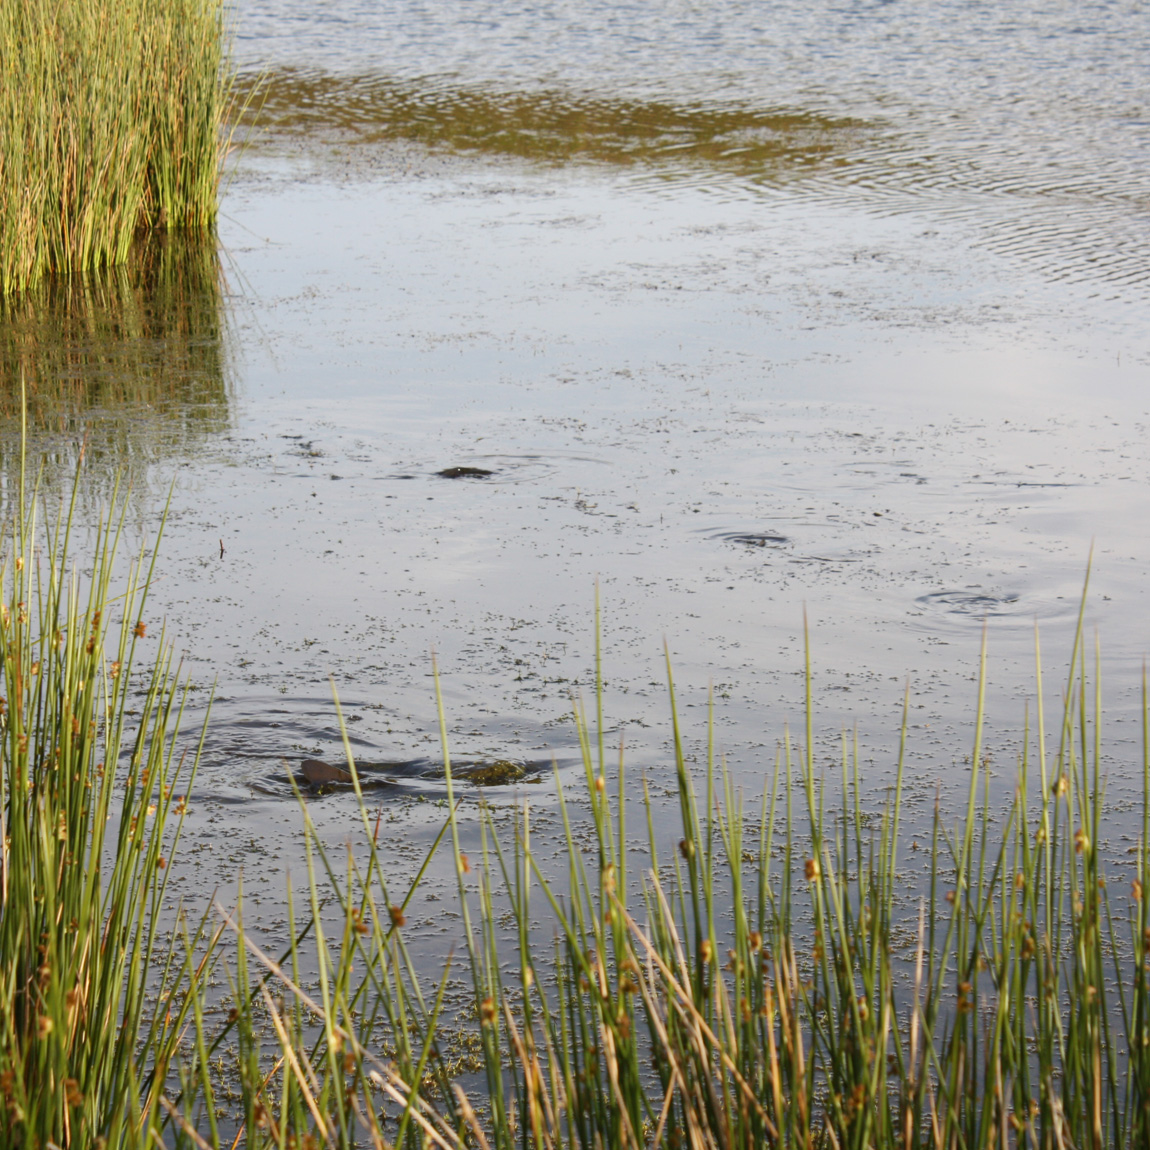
[[92, 794], [111, 123], [761, 981]]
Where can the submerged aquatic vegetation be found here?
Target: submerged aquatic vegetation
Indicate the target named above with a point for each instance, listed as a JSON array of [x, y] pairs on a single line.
[[555, 125], [110, 123]]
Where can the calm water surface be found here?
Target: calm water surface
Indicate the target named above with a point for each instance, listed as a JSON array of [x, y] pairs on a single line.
[[835, 307]]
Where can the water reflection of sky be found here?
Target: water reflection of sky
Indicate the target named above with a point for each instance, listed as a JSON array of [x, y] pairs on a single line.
[[907, 422]]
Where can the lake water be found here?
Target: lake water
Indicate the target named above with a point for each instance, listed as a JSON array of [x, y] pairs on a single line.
[[746, 310]]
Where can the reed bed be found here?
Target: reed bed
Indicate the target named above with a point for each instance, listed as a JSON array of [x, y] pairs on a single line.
[[92, 796], [111, 123]]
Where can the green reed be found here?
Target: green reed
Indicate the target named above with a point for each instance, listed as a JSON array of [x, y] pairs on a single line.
[[111, 122], [779, 977], [92, 798]]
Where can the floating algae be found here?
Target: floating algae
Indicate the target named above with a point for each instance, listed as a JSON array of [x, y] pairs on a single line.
[[496, 774]]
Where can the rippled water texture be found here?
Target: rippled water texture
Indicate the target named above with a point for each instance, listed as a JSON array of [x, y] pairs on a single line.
[[1029, 119]]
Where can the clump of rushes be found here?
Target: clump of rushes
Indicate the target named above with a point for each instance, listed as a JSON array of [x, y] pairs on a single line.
[[781, 981], [111, 117], [92, 795], [750, 1003]]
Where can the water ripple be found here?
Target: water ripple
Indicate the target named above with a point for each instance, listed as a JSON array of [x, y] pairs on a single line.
[[1035, 194]]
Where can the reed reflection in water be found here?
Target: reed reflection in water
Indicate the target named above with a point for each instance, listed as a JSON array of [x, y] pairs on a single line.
[[132, 364]]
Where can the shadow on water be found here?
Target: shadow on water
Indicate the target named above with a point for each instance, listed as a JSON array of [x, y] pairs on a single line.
[[548, 125], [132, 365]]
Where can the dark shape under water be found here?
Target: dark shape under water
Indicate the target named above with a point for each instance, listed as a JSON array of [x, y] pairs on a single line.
[[465, 473], [323, 777]]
